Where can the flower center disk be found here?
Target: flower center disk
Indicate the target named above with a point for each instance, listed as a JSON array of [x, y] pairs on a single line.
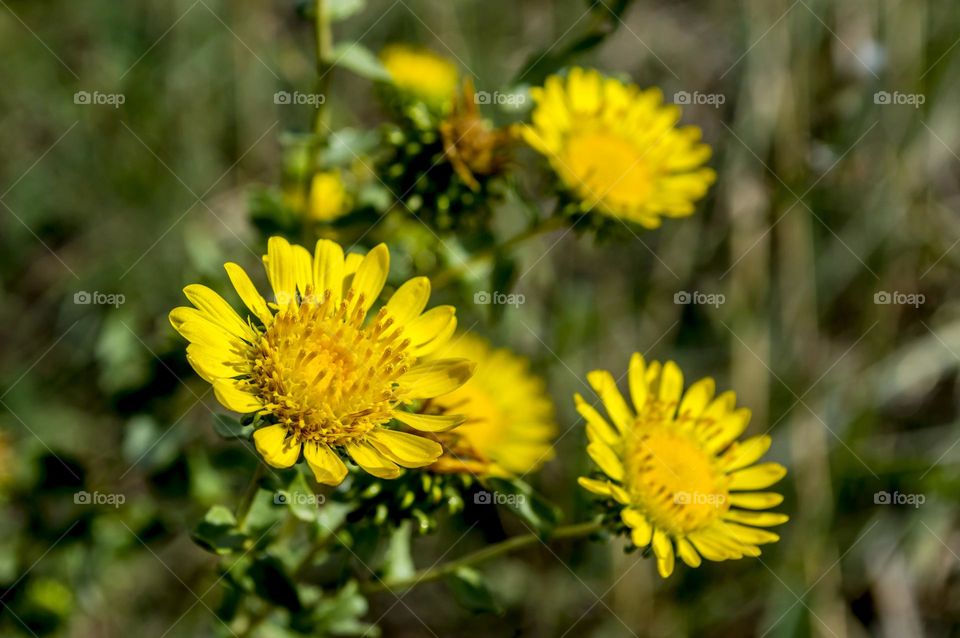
[[675, 480], [327, 377]]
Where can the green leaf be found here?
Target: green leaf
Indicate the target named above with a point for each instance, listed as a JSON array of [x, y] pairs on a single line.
[[522, 500], [271, 582], [230, 428], [471, 591], [338, 10], [340, 614], [355, 57], [218, 532], [398, 561], [301, 499]]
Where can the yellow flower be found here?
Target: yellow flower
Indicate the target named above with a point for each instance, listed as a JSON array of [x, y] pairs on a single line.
[[421, 73], [324, 375], [617, 149], [687, 486], [508, 427], [328, 196]]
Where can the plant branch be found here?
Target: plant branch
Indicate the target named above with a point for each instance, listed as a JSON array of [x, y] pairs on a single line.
[[435, 573]]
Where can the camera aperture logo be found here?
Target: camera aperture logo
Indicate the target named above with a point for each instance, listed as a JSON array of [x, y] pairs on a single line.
[[502, 99], [99, 498], [697, 298], [301, 499], [897, 98], [298, 98], [699, 498], [710, 99], [95, 298], [899, 498], [484, 497], [897, 298], [484, 298], [96, 98]]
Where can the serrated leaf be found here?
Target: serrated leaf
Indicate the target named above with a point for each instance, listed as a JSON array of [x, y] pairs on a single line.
[[471, 590], [355, 57]]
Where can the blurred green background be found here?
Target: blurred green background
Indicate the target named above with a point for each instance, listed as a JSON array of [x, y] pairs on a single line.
[[837, 192]]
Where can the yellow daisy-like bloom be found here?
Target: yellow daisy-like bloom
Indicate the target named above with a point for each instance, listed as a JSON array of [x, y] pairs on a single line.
[[325, 374], [508, 427], [687, 486], [421, 72], [617, 147], [328, 196]]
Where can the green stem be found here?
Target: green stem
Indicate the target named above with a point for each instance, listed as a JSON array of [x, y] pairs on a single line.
[[243, 508], [435, 573], [547, 225], [324, 45]]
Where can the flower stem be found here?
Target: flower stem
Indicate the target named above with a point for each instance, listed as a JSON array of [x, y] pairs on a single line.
[[243, 508], [435, 573], [324, 45]]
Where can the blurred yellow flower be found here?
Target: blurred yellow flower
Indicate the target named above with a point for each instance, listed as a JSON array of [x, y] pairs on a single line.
[[617, 148], [328, 196], [420, 72], [324, 376], [509, 425], [687, 486]]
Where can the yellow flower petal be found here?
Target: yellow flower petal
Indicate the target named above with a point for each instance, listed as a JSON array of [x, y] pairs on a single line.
[[370, 276], [325, 463], [696, 398], [638, 382], [409, 300], [428, 422], [431, 330], [433, 378], [745, 453], [757, 477], [671, 385], [280, 270], [641, 531], [758, 519], [248, 293], [328, 269], [597, 426], [687, 553], [276, 448], [592, 485], [606, 459], [218, 311], [302, 269], [236, 396], [756, 500], [372, 460], [606, 388], [405, 449], [664, 552]]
